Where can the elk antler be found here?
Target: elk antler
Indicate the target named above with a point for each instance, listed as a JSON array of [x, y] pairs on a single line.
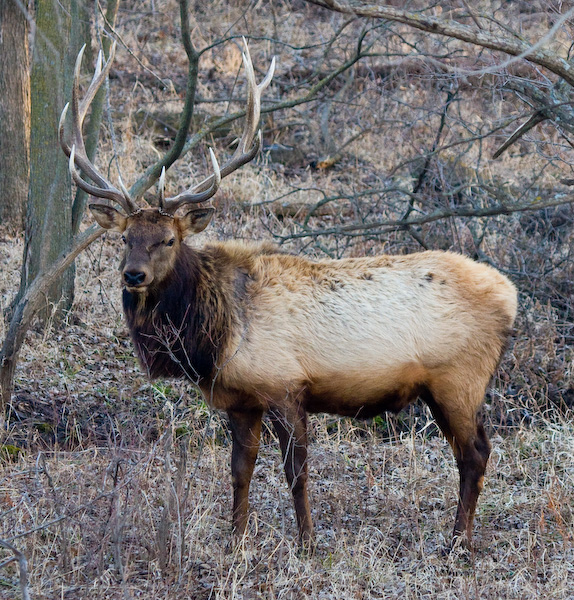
[[246, 150], [77, 152]]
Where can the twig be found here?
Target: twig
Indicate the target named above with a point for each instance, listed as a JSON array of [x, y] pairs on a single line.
[[424, 172], [22, 564], [523, 129], [357, 229], [64, 536], [117, 36], [471, 13]]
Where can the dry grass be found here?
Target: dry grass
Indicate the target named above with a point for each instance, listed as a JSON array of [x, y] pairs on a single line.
[[119, 488], [153, 522]]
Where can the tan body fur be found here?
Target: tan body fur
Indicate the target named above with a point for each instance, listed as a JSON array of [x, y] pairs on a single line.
[[351, 333]]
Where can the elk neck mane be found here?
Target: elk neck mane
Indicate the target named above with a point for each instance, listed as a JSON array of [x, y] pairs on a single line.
[[180, 326]]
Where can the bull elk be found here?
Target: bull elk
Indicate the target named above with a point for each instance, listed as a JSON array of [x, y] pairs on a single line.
[[262, 332]]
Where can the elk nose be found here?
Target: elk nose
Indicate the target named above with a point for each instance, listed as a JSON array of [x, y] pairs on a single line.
[[133, 278]]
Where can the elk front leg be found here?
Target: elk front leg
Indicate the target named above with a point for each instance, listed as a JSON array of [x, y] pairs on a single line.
[[291, 429], [245, 433]]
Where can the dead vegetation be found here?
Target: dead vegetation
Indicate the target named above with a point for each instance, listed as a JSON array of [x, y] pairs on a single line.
[[115, 487]]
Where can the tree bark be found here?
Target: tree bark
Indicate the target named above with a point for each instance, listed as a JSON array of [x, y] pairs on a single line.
[[14, 113], [49, 208]]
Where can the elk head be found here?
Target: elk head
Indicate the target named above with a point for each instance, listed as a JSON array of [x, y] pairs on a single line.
[[153, 235]]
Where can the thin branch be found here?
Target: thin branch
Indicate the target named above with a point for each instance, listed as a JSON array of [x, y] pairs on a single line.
[[180, 148], [23, 566], [386, 225], [152, 173], [117, 36], [471, 13], [536, 118], [534, 53], [424, 172]]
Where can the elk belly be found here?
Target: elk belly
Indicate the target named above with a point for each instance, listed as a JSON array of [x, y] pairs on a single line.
[[365, 394]]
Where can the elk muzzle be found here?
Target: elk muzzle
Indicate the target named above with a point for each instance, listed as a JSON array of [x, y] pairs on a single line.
[[136, 274]]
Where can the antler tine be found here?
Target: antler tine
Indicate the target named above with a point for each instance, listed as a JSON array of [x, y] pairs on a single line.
[[100, 75], [77, 152], [170, 205], [247, 148], [253, 110], [161, 188], [109, 194]]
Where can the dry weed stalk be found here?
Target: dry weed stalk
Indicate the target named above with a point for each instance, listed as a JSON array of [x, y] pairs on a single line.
[[64, 537]]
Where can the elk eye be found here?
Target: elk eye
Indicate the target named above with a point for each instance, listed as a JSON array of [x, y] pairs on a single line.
[[171, 242]]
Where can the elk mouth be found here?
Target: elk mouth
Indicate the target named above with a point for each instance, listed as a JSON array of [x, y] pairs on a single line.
[[136, 289]]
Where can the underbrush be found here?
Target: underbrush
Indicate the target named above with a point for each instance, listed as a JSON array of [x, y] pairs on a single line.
[[153, 521]]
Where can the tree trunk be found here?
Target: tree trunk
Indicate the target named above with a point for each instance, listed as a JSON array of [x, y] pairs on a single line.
[[49, 209], [14, 113]]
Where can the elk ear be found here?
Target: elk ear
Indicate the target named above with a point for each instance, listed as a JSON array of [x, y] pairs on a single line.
[[108, 217], [195, 220]]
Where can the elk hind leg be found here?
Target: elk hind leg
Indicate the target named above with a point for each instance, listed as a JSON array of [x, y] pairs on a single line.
[[457, 416]]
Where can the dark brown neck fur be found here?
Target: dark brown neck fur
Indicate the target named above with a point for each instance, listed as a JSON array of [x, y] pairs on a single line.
[[180, 326]]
